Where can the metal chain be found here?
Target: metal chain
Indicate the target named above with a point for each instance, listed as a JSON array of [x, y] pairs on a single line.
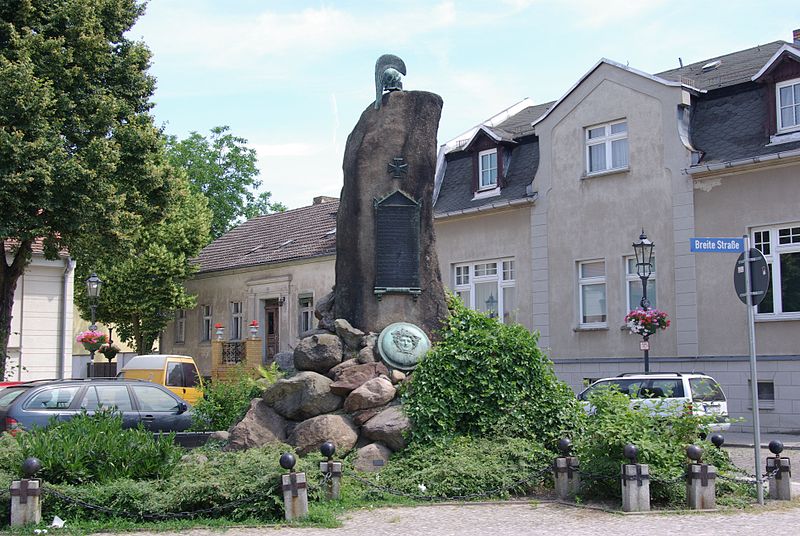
[[467, 497], [149, 516], [597, 477]]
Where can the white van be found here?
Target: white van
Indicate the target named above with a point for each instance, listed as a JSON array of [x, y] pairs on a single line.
[[699, 392]]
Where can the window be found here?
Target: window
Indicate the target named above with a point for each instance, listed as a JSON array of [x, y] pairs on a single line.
[[607, 147], [107, 396], [306, 307], [236, 321], [781, 248], [634, 285], [766, 393], [788, 102], [205, 329], [58, 398], [180, 325], [592, 292], [181, 375], [154, 399], [487, 169], [488, 287]]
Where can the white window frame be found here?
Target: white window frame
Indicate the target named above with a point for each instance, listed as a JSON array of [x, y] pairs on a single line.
[[467, 275], [633, 278], [594, 280], [780, 127], [180, 326], [772, 255], [606, 140], [237, 318], [481, 170], [207, 322], [305, 311]]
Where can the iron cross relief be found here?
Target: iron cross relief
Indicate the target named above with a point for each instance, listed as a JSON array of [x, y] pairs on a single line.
[[398, 167]]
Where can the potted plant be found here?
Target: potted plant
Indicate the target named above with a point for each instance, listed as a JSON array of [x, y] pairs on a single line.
[[646, 322], [220, 330], [110, 351], [253, 328], [92, 340]]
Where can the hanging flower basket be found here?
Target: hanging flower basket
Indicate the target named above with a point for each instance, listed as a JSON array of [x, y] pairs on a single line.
[[646, 323], [92, 340]]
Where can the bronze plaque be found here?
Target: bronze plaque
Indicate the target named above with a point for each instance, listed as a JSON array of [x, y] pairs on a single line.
[[397, 243]]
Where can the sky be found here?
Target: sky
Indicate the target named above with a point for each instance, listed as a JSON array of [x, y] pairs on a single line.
[[293, 77]]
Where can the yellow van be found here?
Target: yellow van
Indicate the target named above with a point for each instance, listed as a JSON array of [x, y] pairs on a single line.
[[178, 373]]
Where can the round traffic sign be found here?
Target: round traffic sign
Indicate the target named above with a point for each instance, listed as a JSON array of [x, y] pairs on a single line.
[[759, 277]]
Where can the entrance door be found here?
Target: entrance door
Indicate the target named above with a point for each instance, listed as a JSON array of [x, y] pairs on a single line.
[[271, 329]]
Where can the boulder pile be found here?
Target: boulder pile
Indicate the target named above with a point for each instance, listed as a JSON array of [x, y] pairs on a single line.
[[336, 389]]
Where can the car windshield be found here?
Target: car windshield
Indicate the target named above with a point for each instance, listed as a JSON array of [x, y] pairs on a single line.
[[9, 394], [706, 390]]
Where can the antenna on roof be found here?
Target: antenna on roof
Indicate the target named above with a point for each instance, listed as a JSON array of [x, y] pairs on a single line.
[[680, 61]]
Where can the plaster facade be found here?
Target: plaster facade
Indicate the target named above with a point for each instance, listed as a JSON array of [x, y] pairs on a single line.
[[41, 328], [499, 234], [254, 288], [597, 217]]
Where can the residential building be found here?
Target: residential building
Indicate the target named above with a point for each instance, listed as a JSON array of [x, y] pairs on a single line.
[[272, 269], [41, 326], [708, 149]]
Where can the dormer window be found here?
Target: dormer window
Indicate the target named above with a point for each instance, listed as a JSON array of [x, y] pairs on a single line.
[[487, 169], [788, 104]]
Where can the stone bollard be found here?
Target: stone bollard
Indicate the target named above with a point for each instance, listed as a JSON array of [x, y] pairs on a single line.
[[295, 490], [635, 483], [332, 468], [565, 471], [26, 503], [780, 484], [700, 481]]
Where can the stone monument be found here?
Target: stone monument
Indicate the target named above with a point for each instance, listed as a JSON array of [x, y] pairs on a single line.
[[387, 270]]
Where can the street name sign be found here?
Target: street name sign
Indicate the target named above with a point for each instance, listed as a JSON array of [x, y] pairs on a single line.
[[716, 245]]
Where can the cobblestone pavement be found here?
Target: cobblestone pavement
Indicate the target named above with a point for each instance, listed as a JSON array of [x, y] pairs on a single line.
[[514, 518]]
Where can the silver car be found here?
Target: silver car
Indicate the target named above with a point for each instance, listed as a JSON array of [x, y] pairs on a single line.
[[35, 404]]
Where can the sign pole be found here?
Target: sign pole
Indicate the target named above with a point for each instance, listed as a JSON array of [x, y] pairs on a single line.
[[753, 374]]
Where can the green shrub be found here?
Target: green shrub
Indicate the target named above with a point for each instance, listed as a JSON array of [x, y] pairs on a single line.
[[661, 442], [464, 466], [487, 379], [226, 400], [205, 479], [95, 448]]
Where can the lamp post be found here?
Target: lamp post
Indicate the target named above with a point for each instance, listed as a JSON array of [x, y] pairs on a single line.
[[644, 268], [93, 285], [491, 302]]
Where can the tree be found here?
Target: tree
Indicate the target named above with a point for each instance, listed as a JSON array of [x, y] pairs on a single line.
[[81, 162], [143, 275], [223, 169]]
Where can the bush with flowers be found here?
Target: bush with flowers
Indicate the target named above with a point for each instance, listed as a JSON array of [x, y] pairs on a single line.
[[92, 340], [646, 322]]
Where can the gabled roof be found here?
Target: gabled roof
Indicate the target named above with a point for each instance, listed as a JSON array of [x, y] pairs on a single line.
[[785, 50], [612, 63], [734, 68], [301, 233]]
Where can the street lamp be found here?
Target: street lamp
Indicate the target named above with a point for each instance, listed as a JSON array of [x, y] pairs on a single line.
[[491, 302], [93, 285], [644, 268]]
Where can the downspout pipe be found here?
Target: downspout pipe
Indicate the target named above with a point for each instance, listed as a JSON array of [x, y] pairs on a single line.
[[69, 267]]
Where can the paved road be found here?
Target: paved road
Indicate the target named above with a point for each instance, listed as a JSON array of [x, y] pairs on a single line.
[[516, 519]]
